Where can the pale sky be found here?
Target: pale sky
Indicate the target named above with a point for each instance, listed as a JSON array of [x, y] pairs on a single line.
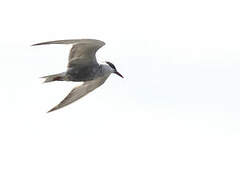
[[175, 115]]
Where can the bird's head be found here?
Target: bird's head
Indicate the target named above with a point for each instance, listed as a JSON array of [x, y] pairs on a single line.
[[113, 69]]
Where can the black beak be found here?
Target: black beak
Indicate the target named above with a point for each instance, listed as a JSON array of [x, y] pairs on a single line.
[[118, 74]]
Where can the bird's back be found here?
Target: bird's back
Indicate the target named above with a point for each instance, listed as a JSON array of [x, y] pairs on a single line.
[[83, 73]]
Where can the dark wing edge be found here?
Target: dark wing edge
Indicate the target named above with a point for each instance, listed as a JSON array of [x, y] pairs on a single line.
[[73, 41]]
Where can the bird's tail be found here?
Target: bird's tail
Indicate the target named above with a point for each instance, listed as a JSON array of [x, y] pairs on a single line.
[[54, 77]]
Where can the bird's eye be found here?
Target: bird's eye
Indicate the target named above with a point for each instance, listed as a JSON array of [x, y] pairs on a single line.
[[111, 65]]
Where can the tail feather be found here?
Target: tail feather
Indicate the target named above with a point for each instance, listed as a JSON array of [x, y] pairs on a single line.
[[54, 77]]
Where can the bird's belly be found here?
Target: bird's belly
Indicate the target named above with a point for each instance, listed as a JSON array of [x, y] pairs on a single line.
[[82, 74]]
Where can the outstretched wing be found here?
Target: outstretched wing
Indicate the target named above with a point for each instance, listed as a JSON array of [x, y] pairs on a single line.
[[83, 50], [80, 91]]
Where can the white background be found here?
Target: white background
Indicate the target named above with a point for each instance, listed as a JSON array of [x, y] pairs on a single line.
[[175, 115]]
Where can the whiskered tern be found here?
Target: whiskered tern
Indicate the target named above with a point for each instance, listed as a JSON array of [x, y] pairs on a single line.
[[82, 67]]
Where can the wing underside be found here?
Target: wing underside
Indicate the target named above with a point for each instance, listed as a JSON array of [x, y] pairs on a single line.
[[83, 51], [80, 91]]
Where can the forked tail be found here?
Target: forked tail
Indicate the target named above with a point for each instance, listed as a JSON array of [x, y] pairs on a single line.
[[54, 77]]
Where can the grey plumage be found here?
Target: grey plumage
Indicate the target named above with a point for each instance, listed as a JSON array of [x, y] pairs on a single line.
[[82, 67]]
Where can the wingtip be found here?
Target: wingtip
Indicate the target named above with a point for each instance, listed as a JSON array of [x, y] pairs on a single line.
[[51, 110], [37, 44]]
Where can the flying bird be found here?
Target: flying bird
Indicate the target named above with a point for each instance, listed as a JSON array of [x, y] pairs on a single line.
[[82, 67]]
